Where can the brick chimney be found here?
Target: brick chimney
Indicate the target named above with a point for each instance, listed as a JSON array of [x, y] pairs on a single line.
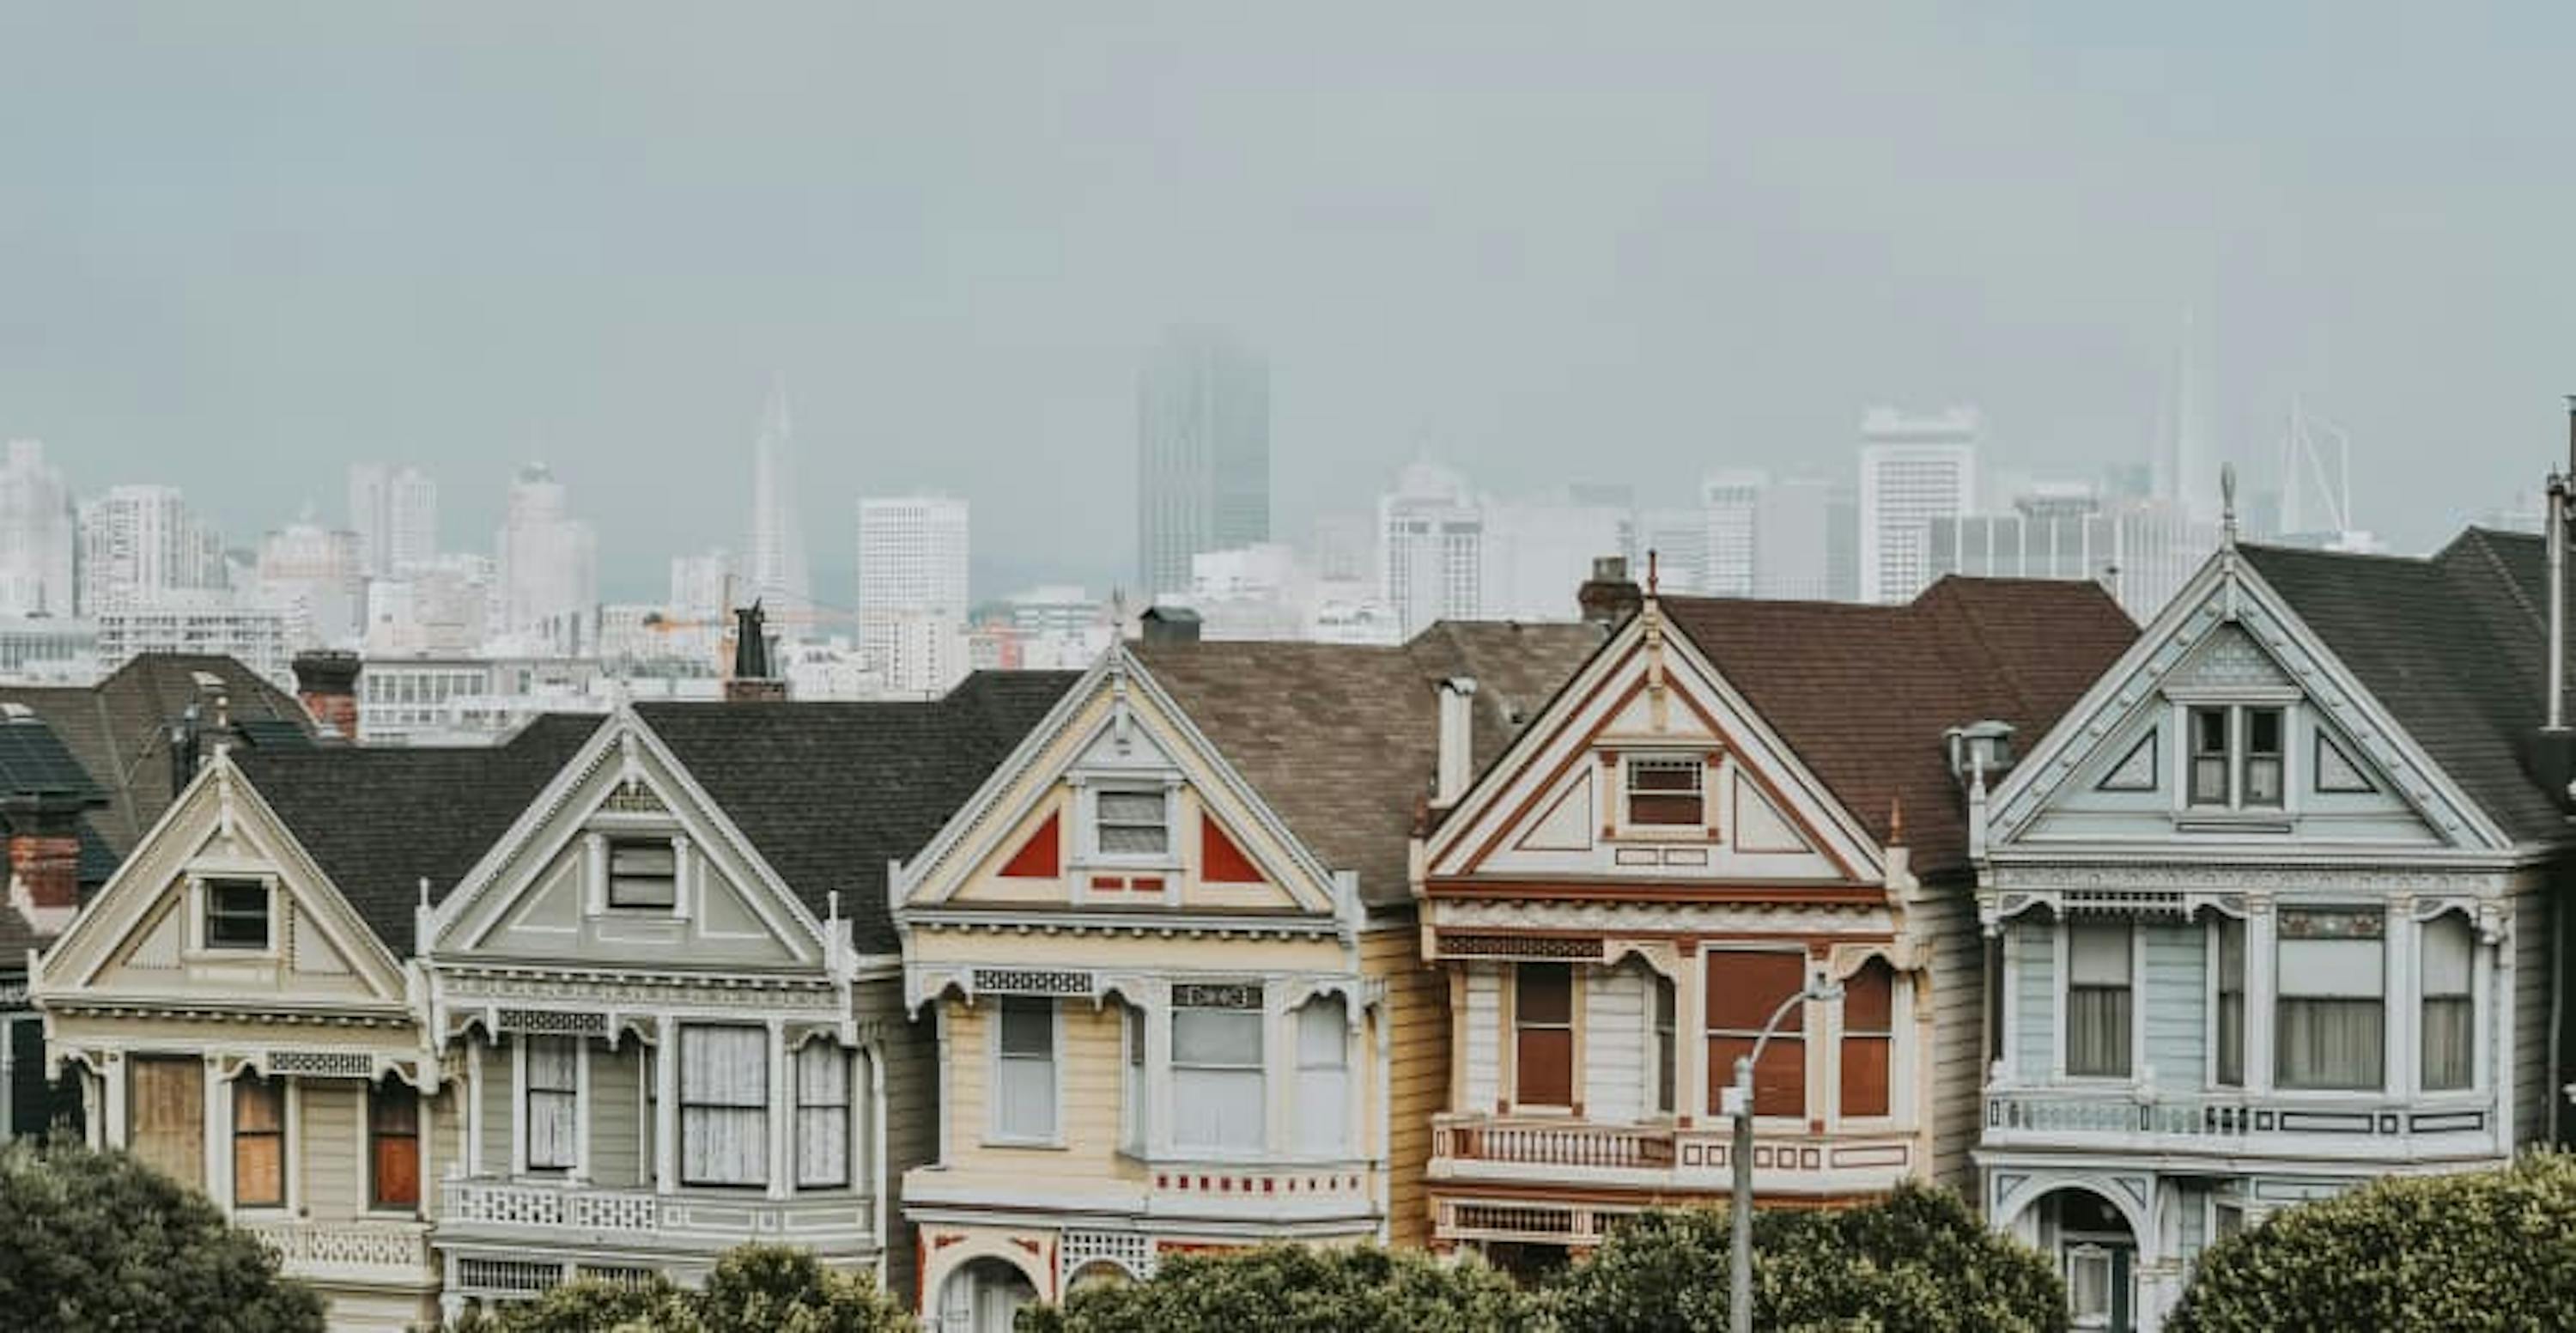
[[1610, 597], [44, 856], [755, 679], [327, 684]]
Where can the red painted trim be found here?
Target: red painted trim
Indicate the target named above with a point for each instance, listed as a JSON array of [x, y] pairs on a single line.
[[1660, 891], [1220, 860], [1041, 856]]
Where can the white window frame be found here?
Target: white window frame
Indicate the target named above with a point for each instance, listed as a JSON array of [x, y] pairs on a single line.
[[525, 1046], [609, 845], [1088, 807], [2422, 932], [2237, 707], [1697, 761], [847, 1106], [1135, 1082], [769, 1110], [201, 902], [1342, 1075], [1260, 1067], [2395, 1026], [2063, 936], [995, 1132]]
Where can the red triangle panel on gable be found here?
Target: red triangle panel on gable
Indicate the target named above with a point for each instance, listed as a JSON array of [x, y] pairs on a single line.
[[1037, 858], [1220, 861]]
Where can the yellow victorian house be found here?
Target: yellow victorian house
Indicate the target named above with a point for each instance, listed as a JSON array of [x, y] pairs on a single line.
[[1170, 950]]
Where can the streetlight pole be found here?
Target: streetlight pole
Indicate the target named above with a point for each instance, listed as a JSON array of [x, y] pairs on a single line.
[[1739, 1104]]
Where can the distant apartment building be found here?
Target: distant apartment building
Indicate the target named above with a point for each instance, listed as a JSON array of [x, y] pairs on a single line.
[[1431, 549], [443, 606], [394, 512], [1253, 592], [913, 590], [48, 650], [549, 566], [206, 623], [1202, 454], [38, 533], [1913, 469], [2143, 550], [315, 575], [141, 545], [1731, 541], [702, 585]]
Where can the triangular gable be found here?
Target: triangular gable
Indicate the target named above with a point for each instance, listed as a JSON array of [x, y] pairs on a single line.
[[1558, 802], [623, 858], [146, 933], [1116, 747], [2228, 640]]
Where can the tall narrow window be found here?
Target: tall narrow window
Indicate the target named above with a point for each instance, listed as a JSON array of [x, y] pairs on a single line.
[[2209, 761], [236, 914], [2263, 747], [822, 1116], [1744, 987], [1024, 1070], [2332, 1026], [2231, 1002], [1134, 824], [554, 1101], [724, 1106], [1218, 1097], [2097, 999], [1323, 1077], [1543, 1034], [1869, 1038], [1666, 1052], [393, 1146], [1666, 793], [642, 874], [259, 1142], [2449, 1016], [1131, 1094], [166, 1118]]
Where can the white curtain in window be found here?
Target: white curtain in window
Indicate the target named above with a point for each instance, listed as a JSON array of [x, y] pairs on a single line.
[[2450, 1016], [1323, 1076], [1024, 1070], [1217, 1088], [554, 1102], [822, 1115], [724, 1105], [2097, 999], [2332, 1028], [2231, 1002]]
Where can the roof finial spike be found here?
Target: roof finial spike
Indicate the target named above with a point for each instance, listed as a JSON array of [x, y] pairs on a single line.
[[1896, 822], [424, 890], [1654, 574], [2227, 505]]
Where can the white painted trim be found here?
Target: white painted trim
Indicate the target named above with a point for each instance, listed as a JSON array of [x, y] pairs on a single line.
[[994, 1135], [519, 1105], [475, 1042], [666, 1106], [581, 1109]]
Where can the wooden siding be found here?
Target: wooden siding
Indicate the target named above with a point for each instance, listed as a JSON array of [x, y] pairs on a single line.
[[1955, 1066], [2534, 925], [1484, 1020], [331, 1150], [499, 1095], [1089, 1069], [1614, 1044], [2033, 946], [1417, 1034], [616, 1116], [911, 1074], [2174, 987]]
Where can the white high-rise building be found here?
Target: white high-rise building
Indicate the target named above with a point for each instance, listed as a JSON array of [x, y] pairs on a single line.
[[1913, 469], [702, 585], [549, 566], [441, 606], [912, 590], [142, 546], [38, 533], [776, 569], [394, 512], [314, 574], [1431, 549], [1539, 551], [1734, 502]]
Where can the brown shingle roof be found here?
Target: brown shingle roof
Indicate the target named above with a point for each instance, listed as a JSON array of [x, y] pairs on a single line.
[[1341, 739], [1862, 694]]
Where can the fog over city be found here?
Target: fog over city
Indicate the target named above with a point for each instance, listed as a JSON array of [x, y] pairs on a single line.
[[242, 246]]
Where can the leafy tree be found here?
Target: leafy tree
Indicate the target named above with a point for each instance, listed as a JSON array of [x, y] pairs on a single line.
[[1299, 1289], [754, 1289], [92, 1240], [2483, 1252], [1918, 1262]]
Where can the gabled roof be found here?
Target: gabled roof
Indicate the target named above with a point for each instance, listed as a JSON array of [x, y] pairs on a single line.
[[1862, 694], [1341, 740], [2453, 646], [378, 821], [829, 793], [119, 729]]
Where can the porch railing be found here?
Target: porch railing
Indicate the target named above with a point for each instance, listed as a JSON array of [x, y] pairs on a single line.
[[1610, 1147]]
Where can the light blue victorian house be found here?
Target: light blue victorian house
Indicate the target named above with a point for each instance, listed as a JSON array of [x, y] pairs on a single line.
[[2267, 911]]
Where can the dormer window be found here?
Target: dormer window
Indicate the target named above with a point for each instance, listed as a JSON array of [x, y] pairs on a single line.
[[642, 874], [1135, 825], [2236, 757], [237, 915], [1666, 793]]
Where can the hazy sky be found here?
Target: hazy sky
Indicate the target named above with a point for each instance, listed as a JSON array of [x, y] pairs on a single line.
[[243, 244]]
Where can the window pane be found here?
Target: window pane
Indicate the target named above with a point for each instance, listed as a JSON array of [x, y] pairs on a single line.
[[168, 1116], [553, 1064], [1028, 1027], [2263, 781], [2449, 947], [1545, 1059], [393, 1121], [2352, 969], [1131, 807], [1661, 809], [2330, 1043], [2449, 1033], [1865, 1064], [1869, 998], [822, 1075], [1228, 1038], [1779, 1078], [259, 1142], [2097, 1031], [236, 914], [2263, 731], [2098, 953], [259, 1104], [2231, 1002], [1133, 840], [1322, 1034], [1218, 1109], [1544, 993], [642, 874], [1664, 775], [1744, 986]]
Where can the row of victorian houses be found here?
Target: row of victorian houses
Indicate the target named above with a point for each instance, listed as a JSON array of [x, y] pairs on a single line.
[[2131, 936]]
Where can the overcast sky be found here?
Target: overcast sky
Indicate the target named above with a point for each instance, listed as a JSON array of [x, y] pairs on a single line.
[[244, 244]]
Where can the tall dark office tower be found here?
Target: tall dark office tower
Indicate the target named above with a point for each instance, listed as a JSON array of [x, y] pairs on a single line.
[[1202, 454]]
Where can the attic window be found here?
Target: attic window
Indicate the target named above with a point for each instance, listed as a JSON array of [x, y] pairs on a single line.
[[236, 914], [1133, 824], [1665, 793], [642, 874], [2236, 757]]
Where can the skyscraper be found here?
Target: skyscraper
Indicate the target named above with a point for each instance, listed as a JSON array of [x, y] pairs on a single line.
[[1431, 548], [1913, 469], [37, 535], [312, 573], [912, 590], [2186, 468], [776, 572], [394, 512], [1202, 455], [1734, 502], [549, 565], [141, 546]]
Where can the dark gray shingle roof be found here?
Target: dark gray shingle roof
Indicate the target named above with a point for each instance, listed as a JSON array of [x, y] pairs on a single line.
[[830, 792]]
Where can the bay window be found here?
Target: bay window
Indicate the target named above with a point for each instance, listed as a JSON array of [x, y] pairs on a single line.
[[1323, 1077], [724, 1105], [1024, 1070], [2330, 1032], [2449, 1017], [822, 1116], [1218, 1099], [1543, 1034], [553, 1098], [1744, 987], [2099, 998]]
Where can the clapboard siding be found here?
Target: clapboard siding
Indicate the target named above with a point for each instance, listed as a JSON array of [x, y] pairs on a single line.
[[615, 1115], [2534, 1090], [2034, 954], [499, 1096], [2173, 988], [1484, 1020], [335, 1177], [1417, 1036], [1614, 1044], [1956, 1064], [910, 1049]]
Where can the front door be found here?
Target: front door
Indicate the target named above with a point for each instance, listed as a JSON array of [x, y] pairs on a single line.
[[2101, 1282]]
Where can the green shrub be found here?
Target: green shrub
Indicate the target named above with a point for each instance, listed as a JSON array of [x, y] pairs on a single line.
[[92, 1240], [2484, 1252], [1299, 1289], [754, 1289], [1920, 1261]]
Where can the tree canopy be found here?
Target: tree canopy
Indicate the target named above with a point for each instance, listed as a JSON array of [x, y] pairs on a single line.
[[92, 1240], [1300, 1289], [754, 1289]]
